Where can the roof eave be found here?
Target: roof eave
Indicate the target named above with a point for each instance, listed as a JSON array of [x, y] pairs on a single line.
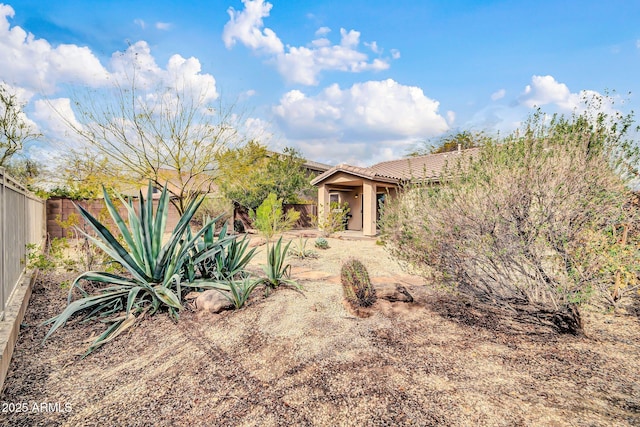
[[336, 169]]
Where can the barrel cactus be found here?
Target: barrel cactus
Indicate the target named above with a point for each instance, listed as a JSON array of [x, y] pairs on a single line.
[[356, 284]]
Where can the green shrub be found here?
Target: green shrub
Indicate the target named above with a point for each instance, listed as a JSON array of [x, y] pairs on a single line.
[[53, 257], [36, 258], [322, 243], [269, 218], [530, 219], [356, 284], [334, 219]]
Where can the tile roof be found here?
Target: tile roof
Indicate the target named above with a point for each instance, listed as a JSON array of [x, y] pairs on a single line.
[[419, 167], [360, 172]]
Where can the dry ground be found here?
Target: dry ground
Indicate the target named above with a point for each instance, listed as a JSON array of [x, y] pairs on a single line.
[[302, 359]]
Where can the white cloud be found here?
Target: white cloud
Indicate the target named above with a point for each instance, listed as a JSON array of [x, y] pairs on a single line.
[[374, 47], [37, 66], [451, 117], [395, 53], [300, 64], [545, 90], [375, 115], [322, 31], [164, 26], [180, 73], [258, 129], [304, 64], [497, 118], [54, 116], [246, 26], [139, 22], [498, 94]]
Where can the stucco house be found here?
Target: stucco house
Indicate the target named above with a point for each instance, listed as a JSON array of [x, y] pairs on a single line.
[[366, 188]]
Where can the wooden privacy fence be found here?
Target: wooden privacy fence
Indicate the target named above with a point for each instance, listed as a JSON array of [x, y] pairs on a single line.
[[59, 210], [22, 221], [307, 213]]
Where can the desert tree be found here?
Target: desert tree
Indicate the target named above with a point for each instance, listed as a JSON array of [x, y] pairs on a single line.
[[15, 130], [248, 174], [169, 133]]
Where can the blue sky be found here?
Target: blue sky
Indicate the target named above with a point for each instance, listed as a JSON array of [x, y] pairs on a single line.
[[343, 81]]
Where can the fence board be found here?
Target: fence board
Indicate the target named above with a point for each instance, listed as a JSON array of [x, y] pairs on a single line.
[[22, 219]]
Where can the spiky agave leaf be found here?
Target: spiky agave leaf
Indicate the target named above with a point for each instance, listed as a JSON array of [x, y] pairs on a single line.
[[276, 270], [83, 304], [157, 270]]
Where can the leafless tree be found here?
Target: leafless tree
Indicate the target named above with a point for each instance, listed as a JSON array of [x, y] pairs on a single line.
[[170, 134], [15, 131]]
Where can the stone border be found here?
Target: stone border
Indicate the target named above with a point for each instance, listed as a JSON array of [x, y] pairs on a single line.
[[10, 326]]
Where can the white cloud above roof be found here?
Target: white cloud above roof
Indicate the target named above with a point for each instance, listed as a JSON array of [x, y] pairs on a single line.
[[300, 64], [384, 114], [181, 73], [547, 91]]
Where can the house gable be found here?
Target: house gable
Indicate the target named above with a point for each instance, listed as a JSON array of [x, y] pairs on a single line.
[[421, 168]]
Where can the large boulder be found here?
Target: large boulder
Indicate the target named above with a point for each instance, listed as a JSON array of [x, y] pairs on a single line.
[[212, 301]]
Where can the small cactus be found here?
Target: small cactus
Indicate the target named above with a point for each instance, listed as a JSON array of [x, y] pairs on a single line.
[[356, 284], [321, 243]]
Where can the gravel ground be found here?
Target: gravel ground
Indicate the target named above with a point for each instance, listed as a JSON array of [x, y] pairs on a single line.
[[301, 358]]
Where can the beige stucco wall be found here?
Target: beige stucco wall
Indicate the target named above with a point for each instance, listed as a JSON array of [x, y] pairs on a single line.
[[361, 197], [355, 206]]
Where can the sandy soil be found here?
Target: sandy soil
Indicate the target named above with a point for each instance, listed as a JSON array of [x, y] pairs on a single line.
[[303, 359]]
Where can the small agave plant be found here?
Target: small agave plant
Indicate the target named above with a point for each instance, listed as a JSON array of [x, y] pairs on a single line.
[[157, 272], [277, 270]]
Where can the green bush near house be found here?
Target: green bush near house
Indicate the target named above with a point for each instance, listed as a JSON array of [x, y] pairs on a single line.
[[334, 219], [270, 219]]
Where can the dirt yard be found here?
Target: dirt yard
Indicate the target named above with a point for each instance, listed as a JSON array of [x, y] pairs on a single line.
[[302, 359]]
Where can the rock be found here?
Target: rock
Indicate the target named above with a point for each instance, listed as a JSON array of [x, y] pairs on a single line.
[[212, 301], [256, 242], [192, 295], [392, 292]]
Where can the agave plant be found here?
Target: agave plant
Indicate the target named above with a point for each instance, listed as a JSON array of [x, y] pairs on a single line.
[[156, 269], [222, 265], [276, 270], [299, 250], [240, 290]]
